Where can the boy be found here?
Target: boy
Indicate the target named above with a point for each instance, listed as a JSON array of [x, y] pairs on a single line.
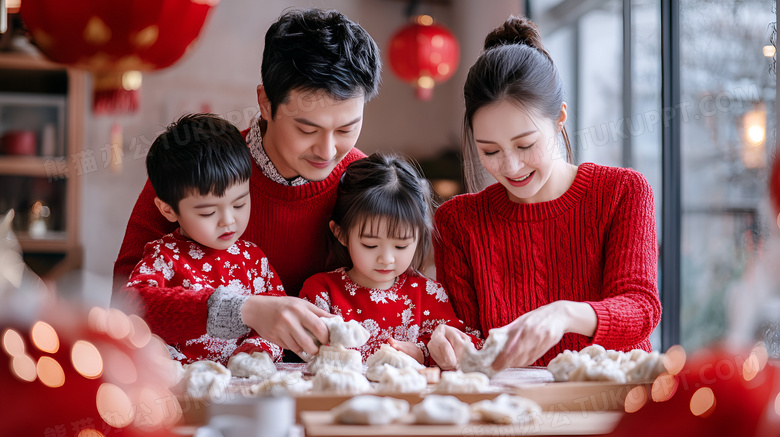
[[200, 169]]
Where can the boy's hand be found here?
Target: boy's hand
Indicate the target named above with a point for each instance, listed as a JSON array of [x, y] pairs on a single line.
[[285, 320], [408, 348], [446, 346]]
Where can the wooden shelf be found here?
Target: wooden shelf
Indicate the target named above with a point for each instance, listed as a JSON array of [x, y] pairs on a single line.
[[35, 166], [26, 61], [53, 242]]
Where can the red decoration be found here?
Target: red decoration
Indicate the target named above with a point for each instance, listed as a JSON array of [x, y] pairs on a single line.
[[74, 374], [112, 38], [423, 53]]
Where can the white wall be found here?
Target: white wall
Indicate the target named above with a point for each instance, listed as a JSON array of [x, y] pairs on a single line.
[[221, 74]]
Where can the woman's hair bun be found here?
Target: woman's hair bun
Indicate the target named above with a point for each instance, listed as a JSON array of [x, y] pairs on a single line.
[[516, 30]]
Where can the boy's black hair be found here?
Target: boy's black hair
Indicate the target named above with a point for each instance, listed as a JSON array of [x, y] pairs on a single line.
[[199, 153], [383, 186], [315, 50]]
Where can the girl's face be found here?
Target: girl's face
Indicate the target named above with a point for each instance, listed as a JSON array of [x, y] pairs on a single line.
[[520, 150], [377, 257]]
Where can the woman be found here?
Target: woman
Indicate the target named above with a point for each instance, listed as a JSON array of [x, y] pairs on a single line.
[[564, 256]]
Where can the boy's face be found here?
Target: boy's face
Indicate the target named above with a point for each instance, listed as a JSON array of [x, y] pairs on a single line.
[[215, 222], [311, 132]]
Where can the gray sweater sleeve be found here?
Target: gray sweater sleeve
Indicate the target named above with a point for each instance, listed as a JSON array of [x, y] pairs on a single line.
[[224, 319]]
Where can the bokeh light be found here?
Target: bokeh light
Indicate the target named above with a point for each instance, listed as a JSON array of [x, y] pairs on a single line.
[[50, 372], [777, 404], [45, 338], [89, 432], [664, 387], [13, 343], [635, 399], [702, 402], [86, 359], [97, 319], [23, 367], [118, 324], [141, 334], [674, 359], [119, 367], [114, 406]]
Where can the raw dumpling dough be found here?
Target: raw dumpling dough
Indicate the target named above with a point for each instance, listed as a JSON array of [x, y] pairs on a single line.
[[290, 382], [405, 380], [474, 360], [508, 409], [594, 363], [342, 381], [347, 334], [370, 410], [205, 379], [259, 364], [441, 410], [458, 382], [332, 358], [389, 355]]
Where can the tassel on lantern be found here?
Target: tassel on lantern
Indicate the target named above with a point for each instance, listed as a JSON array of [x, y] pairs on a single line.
[[116, 92]]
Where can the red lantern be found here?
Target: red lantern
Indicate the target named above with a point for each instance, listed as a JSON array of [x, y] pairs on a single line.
[[115, 39], [423, 53]]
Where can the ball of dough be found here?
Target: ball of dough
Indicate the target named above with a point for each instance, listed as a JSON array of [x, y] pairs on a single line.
[[331, 358], [405, 380], [205, 379], [441, 410], [455, 381], [370, 410], [341, 381], [474, 360], [289, 382], [347, 334], [259, 364], [388, 355]]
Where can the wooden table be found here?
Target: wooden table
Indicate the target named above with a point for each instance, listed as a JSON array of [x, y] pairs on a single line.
[[569, 408]]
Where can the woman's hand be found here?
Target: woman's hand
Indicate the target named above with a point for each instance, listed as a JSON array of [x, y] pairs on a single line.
[[286, 321], [535, 332], [446, 346], [408, 348]]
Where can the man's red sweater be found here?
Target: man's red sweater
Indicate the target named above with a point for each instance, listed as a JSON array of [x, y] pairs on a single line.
[[597, 244]]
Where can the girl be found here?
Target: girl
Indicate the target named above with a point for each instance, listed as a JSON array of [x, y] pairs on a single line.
[[381, 231], [565, 255]]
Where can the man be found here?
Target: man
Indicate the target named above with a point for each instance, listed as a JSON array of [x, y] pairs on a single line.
[[318, 71]]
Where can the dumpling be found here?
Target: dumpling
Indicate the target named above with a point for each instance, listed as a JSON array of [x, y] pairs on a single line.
[[405, 380], [388, 355], [456, 381], [441, 410], [603, 370], [648, 368], [259, 364], [563, 364], [342, 381], [205, 379], [370, 410], [290, 382], [331, 358], [347, 334], [507, 409], [474, 360]]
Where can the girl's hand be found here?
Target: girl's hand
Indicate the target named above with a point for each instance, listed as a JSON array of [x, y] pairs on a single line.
[[446, 346], [408, 348], [535, 332]]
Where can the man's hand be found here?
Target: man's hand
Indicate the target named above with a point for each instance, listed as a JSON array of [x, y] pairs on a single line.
[[446, 346], [408, 348], [285, 320]]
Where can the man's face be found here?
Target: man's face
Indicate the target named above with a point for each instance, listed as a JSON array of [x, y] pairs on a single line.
[[311, 132]]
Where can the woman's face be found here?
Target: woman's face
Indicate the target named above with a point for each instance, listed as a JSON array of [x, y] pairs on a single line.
[[519, 149]]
